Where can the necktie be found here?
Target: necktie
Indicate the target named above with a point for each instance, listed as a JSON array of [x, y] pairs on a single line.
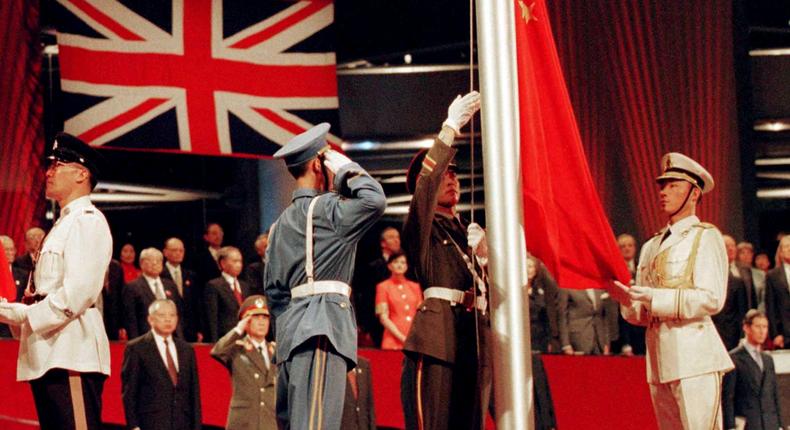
[[665, 236], [179, 282], [160, 292], [591, 295], [171, 365], [264, 356], [237, 291], [759, 359]]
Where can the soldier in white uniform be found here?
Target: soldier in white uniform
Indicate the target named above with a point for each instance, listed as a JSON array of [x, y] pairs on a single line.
[[681, 281], [63, 351]]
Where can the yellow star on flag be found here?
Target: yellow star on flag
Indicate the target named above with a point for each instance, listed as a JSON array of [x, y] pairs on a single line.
[[527, 12]]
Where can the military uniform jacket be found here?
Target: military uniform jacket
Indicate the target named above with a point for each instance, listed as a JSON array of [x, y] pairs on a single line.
[[64, 330], [688, 274], [339, 221], [252, 403], [437, 263]]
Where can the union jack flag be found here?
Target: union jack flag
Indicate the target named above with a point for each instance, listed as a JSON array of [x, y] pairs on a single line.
[[201, 76]]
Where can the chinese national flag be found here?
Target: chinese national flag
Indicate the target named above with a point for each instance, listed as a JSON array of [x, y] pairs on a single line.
[[7, 288], [565, 224]]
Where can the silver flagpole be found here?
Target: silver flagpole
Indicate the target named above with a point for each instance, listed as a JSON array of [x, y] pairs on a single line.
[[507, 252]]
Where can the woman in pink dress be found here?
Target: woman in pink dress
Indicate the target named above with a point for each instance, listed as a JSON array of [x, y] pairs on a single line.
[[130, 271], [397, 299]]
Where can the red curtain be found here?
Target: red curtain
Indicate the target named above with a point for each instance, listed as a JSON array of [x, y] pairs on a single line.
[[646, 78], [21, 110]]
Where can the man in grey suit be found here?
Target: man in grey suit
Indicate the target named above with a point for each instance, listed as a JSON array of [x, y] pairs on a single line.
[[777, 295], [750, 390], [583, 326], [309, 295], [249, 358]]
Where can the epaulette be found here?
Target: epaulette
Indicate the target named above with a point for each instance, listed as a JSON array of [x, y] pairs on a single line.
[[89, 211], [704, 225]]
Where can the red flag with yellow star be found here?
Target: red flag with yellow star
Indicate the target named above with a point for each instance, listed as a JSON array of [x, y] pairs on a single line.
[[565, 225]]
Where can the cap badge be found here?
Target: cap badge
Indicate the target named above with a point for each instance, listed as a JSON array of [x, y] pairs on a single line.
[[259, 303]]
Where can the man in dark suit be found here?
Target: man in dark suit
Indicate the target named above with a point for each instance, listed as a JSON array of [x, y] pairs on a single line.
[[750, 390], [206, 260], [777, 295], [253, 274], [112, 302], [159, 376], [223, 295], [190, 291], [33, 238], [738, 271], [250, 360], [729, 320], [358, 410], [582, 322], [140, 293], [630, 339]]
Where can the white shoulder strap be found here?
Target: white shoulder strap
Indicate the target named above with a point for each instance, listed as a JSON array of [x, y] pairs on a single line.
[[308, 265]]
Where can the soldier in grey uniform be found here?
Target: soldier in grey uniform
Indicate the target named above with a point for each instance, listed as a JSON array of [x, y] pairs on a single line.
[[681, 282], [310, 258], [63, 349], [249, 358]]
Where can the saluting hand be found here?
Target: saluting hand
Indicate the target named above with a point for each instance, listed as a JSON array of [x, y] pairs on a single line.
[[461, 110], [334, 160]]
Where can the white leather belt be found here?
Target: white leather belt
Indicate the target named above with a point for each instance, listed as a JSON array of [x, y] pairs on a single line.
[[320, 287], [453, 296]]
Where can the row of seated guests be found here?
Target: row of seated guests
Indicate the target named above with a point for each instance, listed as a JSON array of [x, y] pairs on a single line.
[[160, 379]]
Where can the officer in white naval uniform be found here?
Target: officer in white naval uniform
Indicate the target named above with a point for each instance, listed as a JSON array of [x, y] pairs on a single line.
[[681, 281], [63, 350]]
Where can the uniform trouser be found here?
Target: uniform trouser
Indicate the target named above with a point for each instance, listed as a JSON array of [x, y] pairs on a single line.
[[689, 403], [437, 395], [311, 387], [68, 400]]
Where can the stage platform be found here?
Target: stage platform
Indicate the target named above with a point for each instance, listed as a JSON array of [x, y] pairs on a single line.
[[588, 392]]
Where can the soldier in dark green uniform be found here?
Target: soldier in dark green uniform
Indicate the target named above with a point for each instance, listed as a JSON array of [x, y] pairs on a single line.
[[447, 376]]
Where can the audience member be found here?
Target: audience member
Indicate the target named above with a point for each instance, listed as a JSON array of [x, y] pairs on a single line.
[[18, 274], [358, 410], [583, 322], [159, 377], [224, 294], [630, 338], [189, 290], [253, 274], [729, 319], [112, 302], [397, 299], [750, 391], [206, 262], [751, 275], [33, 238], [762, 262], [777, 295], [140, 293], [739, 271], [250, 360], [541, 307], [127, 257], [367, 277]]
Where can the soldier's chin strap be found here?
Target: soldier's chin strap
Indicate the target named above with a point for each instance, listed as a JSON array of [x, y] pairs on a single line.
[[685, 201]]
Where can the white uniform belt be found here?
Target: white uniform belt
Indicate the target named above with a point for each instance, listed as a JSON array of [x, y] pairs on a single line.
[[321, 287], [452, 295]]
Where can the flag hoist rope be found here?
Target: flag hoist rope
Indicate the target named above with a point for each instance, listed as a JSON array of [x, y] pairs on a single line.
[[472, 120]]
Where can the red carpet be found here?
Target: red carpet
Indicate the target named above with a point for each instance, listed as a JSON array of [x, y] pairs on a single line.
[[589, 392]]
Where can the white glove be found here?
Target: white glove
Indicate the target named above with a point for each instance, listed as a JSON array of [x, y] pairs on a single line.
[[241, 327], [334, 160], [641, 294], [461, 110], [13, 313], [475, 235]]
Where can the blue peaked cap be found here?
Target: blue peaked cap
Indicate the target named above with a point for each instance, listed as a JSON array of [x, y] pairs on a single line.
[[305, 146]]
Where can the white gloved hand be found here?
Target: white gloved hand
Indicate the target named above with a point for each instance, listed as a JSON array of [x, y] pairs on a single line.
[[13, 313], [641, 294], [334, 160], [461, 110], [476, 239], [241, 327]]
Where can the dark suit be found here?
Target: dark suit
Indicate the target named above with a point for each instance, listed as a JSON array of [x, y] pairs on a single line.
[[222, 309], [748, 283], [205, 266], [729, 320], [358, 411], [137, 297], [751, 393], [150, 401], [192, 315], [24, 262], [777, 303], [252, 404], [253, 274], [582, 326]]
